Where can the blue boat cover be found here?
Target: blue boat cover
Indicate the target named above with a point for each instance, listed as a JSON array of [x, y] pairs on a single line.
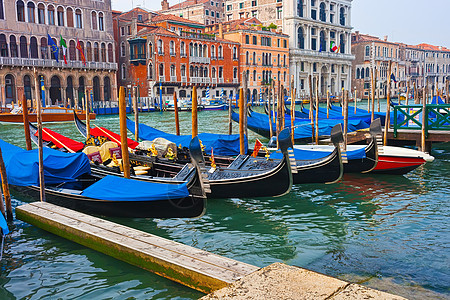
[[22, 168], [8, 151], [3, 225], [437, 100], [223, 144], [301, 154], [113, 188]]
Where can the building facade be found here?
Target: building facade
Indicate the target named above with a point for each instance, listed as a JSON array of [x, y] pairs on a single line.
[[264, 54], [411, 64], [170, 54], [312, 25], [25, 51], [207, 12]]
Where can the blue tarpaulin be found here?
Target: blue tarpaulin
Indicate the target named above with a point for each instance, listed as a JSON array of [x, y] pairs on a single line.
[[223, 144], [302, 154], [22, 167], [113, 188], [3, 225]]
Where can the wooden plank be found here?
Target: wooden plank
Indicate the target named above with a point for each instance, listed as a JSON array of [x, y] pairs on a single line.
[[189, 266]]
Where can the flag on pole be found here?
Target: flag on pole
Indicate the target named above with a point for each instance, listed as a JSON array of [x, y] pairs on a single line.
[[258, 146], [339, 48], [62, 42], [80, 49], [393, 78], [55, 49], [333, 47], [320, 47]]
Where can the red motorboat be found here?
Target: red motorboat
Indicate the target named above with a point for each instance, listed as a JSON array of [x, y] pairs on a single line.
[[398, 160]]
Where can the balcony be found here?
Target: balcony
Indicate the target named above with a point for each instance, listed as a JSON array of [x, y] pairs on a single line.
[[220, 57], [235, 80], [313, 53], [200, 60], [206, 80], [138, 59], [162, 79], [195, 35], [220, 80], [173, 78], [50, 63], [160, 52], [183, 79], [213, 57], [172, 53], [183, 55], [214, 81]]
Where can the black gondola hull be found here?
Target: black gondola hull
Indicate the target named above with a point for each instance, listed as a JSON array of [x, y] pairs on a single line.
[[366, 164], [328, 170]]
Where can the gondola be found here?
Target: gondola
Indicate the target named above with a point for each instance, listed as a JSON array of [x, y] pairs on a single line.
[[69, 183], [251, 177]]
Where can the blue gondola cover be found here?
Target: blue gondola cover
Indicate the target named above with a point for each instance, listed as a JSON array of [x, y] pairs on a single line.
[[134, 190], [301, 154]]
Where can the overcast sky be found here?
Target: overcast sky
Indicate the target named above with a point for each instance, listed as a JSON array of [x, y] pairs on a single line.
[[409, 21]]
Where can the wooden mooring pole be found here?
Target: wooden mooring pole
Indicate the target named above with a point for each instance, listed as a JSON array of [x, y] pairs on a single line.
[[388, 105], [136, 114], [373, 95], [269, 96], [194, 112], [177, 120], [316, 126], [292, 110], [230, 121], [345, 108], [26, 126], [328, 104], [424, 107], [123, 133], [41, 153], [5, 187], [241, 121], [88, 120]]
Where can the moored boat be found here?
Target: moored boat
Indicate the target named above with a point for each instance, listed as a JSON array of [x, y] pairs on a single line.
[[399, 160], [49, 114]]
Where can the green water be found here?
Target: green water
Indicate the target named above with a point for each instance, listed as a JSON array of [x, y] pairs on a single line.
[[386, 232]]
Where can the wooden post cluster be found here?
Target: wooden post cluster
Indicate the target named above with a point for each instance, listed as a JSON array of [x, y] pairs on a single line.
[[388, 104], [194, 112], [123, 133], [177, 121]]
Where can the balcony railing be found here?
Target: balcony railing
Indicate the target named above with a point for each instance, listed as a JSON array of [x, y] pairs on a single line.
[[201, 60], [183, 79], [235, 80], [213, 57], [162, 78], [220, 80], [183, 55], [172, 53], [206, 80], [173, 78], [214, 81], [50, 63]]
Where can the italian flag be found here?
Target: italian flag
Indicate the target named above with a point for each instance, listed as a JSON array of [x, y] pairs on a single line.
[[333, 47], [63, 45]]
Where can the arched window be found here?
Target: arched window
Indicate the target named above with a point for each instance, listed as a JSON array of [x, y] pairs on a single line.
[[200, 51], [96, 88], [10, 88], [96, 52], [191, 71], [78, 19], [363, 73], [72, 50], [247, 58], [103, 52], [20, 11], [358, 72], [235, 53], [235, 73], [205, 72], [88, 51], [161, 70], [33, 48], [220, 54], [124, 71], [69, 12], [300, 38], [183, 71], [183, 49], [23, 47], [2, 13], [27, 86], [30, 10], [110, 53], [51, 15], [300, 8], [205, 51], [172, 47], [101, 25], [322, 41], [41, 13], [94, 20], [150, 71], [284, 60], [367, 51], [254, 59], [322, 13], [220, 72], [60, 15], [122, 49], [44, 48], [13, 46], [172, 71], [342, 16], [160, 47], [213, 72], [367, 72], [3, 46], [279, 60], [195, 50], [342, 43], [106, 89], [191, 49], [213, 52]]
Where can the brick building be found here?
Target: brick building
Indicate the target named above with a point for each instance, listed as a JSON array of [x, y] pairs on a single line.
[[24, 45], [206, 12], [264, 53], [176, 54]]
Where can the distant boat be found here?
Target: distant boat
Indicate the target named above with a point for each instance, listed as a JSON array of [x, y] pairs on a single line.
[[49, 114]]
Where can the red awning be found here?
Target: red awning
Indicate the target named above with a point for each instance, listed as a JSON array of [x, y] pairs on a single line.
[[60, 140], [114, 137]]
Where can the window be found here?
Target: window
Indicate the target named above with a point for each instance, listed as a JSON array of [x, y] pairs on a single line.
[[23, 47], [342, 43], [69, 13], [60, 16], [279, 13], [172, 71], [122, 31], [285, 43], [88, 51], [212, 13], [241, 5], [2, 14], [220, 52], [313, 44], [220, 72], [139, 18], [129, 30], [254, 13], [254, 3], [229, 7], [207, 12], [235, 56], [322, 13], [20, 11], [122, 49], [160, 47], [100, 22], [183, 71], [172, 48], [4, 46], [322, 41], [235, 73], [30, 9], [300, 8], [41, 13], [314, 67], [33, 48], [94, 20], [183, 49], [124, 70], [44, 48], [342, 16], [13, 46], [247, 39], [78, 19], [103, 52], [96, 52], [161, 70], [367, 51]]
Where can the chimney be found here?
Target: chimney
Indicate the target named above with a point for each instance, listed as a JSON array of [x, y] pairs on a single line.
[[164, 5], [385, 38], [220, 30]]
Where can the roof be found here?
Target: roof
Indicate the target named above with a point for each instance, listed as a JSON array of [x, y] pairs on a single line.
[[187, 3], [131, 13], [242, 24], [172, 18]]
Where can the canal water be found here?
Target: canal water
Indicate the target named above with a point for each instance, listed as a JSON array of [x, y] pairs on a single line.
[[383, 231]]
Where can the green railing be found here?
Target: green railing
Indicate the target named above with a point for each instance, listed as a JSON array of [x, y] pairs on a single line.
[[437, 117]]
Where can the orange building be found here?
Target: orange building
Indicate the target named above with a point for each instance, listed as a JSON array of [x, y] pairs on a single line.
[[264, 53], [174, 54]]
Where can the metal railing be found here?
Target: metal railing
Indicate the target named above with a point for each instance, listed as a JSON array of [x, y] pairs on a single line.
[[437, 117], [51, 63], [201, 60]]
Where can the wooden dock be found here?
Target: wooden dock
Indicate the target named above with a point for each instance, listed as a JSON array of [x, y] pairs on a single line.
[[195, 268]]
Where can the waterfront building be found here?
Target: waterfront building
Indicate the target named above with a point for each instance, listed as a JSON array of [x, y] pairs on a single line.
[[206, 12], [413, 64], [24, 47], [170, 54], [312, 26], [264, 54]]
